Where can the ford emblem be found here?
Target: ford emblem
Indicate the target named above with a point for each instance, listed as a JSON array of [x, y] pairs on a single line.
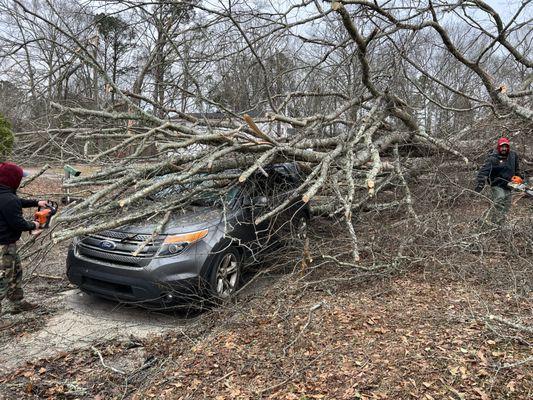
[[108, 245]]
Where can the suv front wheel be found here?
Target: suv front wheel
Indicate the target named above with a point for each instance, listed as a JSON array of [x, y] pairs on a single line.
[[226, 274]]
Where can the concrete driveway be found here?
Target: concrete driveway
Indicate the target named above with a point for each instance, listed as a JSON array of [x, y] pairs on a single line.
[[83, 321]]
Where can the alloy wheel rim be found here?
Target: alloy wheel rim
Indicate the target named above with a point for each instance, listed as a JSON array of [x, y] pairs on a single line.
[[227, 275], [301, 231]]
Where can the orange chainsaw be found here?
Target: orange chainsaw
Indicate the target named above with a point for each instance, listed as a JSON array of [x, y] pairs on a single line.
[[44, 215], [518, 184]]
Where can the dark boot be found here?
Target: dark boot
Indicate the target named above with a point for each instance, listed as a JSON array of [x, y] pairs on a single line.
[[22, 306]]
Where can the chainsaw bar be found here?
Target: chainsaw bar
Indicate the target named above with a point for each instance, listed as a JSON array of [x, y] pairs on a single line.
[[520, 187]]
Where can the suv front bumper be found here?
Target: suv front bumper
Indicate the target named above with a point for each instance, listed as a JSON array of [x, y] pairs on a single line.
[[163, 281]]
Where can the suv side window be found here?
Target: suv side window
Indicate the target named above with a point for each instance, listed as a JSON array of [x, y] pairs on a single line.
[[259, 186], [280, 181]]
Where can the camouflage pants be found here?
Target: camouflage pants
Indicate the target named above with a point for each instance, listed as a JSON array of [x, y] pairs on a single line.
[[501, 199], [10, 274]]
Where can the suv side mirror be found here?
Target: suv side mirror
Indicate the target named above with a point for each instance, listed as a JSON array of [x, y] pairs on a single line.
[[260, 201]]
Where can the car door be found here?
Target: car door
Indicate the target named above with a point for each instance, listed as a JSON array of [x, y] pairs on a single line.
[[259, 205], [251, 204], [283, 184]]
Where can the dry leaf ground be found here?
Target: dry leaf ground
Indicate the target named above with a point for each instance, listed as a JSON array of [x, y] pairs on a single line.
[[418, 327]]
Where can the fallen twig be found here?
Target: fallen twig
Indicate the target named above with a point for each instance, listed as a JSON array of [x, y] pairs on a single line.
[[118, 371], [224, 377], [518, 363], [515, 325], [309, 317], [7, 326], [59, 278], [351, 265]]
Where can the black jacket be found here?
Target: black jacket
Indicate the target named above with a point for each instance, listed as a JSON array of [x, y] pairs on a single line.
[[12, 223], [498, 170]]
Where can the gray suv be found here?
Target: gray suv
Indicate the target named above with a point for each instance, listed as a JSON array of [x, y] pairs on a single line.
[[202, 250]]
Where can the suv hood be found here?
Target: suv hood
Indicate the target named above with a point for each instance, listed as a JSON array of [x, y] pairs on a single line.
[[180, 222]]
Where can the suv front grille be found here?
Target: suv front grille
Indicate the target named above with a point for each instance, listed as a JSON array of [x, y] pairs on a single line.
[[137, 238], [119, 248]]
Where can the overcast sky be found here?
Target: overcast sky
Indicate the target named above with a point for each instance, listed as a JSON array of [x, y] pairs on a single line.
[[507, 8]]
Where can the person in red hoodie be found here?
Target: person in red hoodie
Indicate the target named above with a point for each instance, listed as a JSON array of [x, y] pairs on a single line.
[[498, 170], [12, 224]]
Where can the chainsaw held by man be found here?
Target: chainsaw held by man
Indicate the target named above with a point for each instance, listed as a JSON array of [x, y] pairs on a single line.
[[518, 185], [44, 214]]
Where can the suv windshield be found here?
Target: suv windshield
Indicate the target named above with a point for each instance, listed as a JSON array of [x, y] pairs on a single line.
[[201, 195], [275, 181]]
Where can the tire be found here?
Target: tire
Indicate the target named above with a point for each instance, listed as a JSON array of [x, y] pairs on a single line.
[[299, 231], [225, 275]]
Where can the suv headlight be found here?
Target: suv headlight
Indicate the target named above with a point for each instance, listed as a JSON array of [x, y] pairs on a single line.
[[175, 244]]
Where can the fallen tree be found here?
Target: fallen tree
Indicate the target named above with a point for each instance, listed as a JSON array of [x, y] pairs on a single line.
[[345, 99]]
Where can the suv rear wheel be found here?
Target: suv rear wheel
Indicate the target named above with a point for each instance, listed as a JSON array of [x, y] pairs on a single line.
[[299, 230]]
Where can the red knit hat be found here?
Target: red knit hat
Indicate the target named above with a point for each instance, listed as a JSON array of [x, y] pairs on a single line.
[[10, 175], [502, 141]]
